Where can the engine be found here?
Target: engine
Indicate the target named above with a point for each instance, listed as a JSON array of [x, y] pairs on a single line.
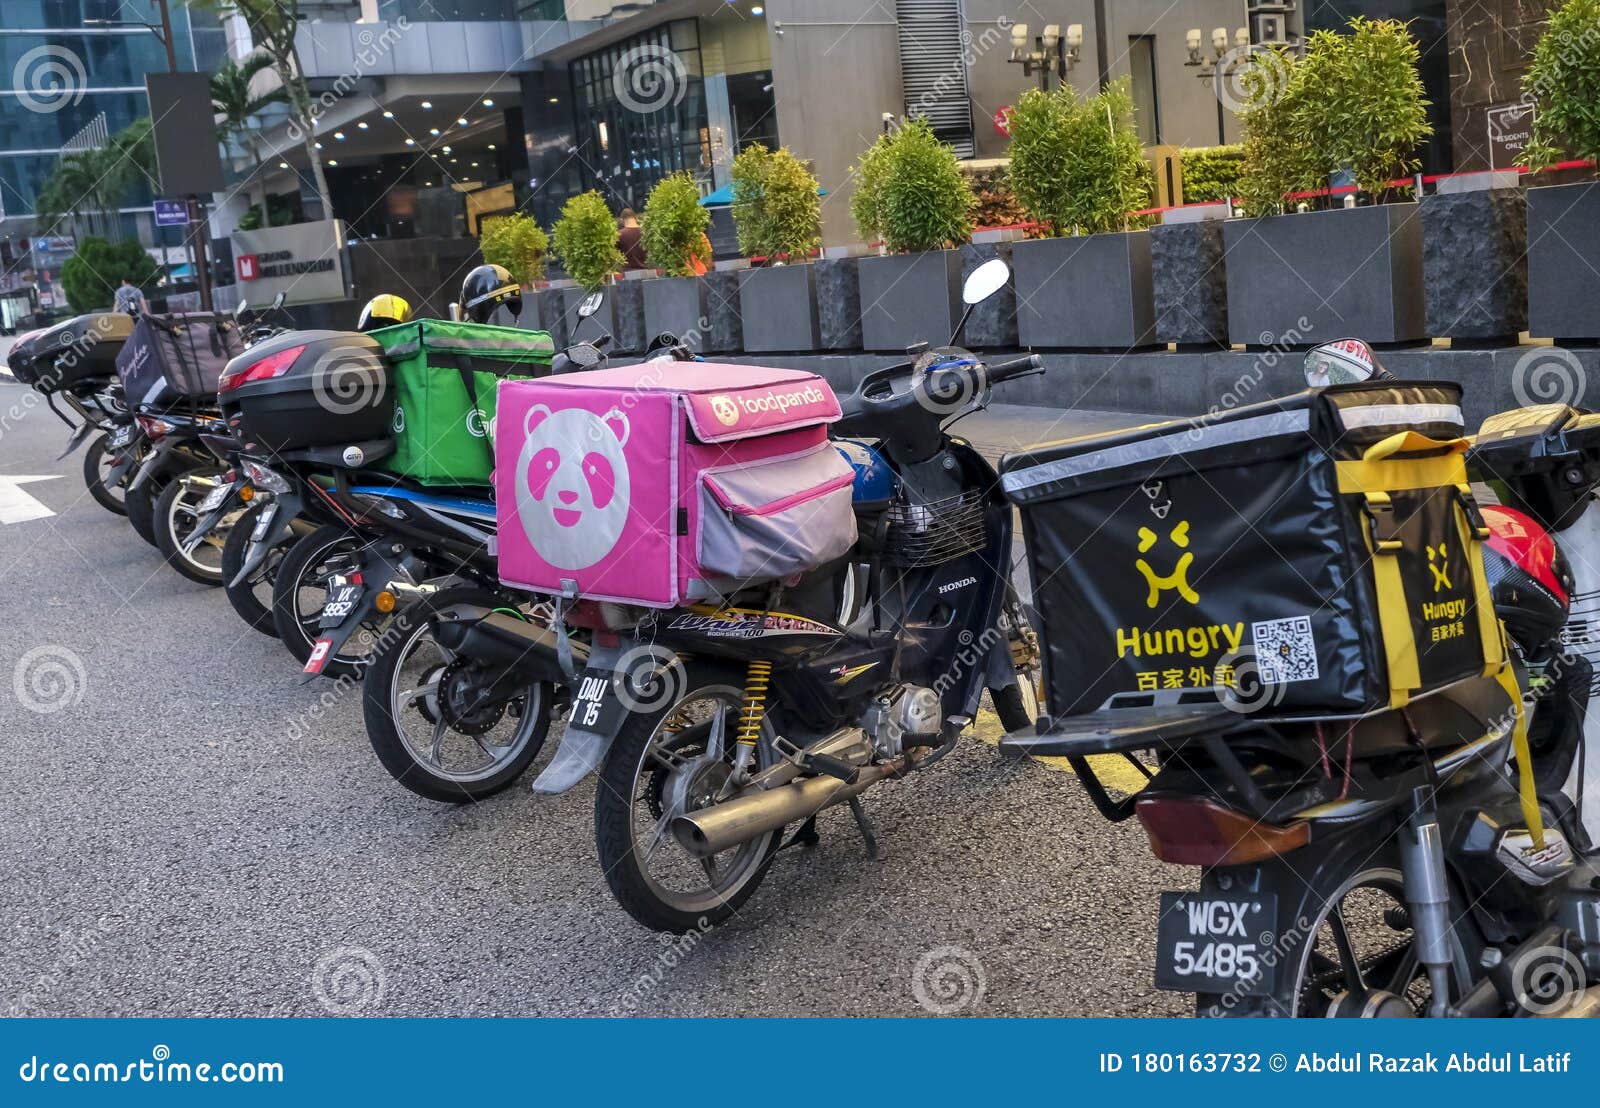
[[902, 717]]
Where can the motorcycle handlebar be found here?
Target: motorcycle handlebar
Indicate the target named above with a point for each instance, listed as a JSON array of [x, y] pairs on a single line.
[[1017, 367]]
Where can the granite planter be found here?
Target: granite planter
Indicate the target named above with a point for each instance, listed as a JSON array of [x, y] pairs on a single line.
[[1563, 245], [726, 335], [1475, 265], [778, 307], [993, 323], [1189, 270], [1317, 276], [552, 314], [627, 317], [1090, 292], [838, 283], [677, 306], [909, 298]]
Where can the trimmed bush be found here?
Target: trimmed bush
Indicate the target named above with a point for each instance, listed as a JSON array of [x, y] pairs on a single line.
[[673, 226], [586, 240], [1564, 83], [911, 193], [775, 206], [90, 277], [1077, 165], [1211, 173], [516, 242]]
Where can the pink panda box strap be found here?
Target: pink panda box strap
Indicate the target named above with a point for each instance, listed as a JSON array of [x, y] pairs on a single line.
[[726, 402]]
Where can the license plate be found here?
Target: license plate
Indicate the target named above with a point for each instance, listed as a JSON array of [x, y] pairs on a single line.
[[263, 524], [1207, 943], [122, 436], [214, 499], [344, 593]]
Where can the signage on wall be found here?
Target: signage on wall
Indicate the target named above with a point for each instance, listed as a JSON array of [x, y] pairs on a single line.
[[172, 213], [1002, 121], [305, 261], [1510, 130]]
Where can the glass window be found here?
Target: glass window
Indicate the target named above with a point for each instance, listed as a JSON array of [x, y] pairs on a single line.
[[1146, 100]]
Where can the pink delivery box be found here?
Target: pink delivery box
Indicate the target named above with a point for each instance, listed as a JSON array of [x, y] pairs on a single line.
[[668, 482]]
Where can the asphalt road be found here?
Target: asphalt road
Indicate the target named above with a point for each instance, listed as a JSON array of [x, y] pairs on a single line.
[[185, 830]]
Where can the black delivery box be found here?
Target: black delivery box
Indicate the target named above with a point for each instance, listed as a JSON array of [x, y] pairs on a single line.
[[1320, 552], [307, 389], [80, 352]]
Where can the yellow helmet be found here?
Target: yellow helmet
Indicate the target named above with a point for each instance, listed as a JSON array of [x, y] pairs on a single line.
[[384, 310]]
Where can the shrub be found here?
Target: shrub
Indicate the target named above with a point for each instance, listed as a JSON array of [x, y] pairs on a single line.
[[775, 208], [996, 205], [911, 192], [1076, 163], [1211, 173], [1278, 155], [1564, 83], [673, 226], [586, 240], [516, 242], [90, 277]]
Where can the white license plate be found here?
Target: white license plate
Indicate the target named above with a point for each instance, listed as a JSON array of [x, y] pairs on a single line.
[[1211, 943], [214, 499], [264, 524]]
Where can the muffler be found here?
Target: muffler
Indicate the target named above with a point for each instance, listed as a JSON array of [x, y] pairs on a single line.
[[726, 825]]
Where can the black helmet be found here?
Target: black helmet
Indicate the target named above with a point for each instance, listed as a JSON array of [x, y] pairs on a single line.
[[487, 288]]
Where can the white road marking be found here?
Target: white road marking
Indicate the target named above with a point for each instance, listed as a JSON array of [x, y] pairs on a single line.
[[17, 506]]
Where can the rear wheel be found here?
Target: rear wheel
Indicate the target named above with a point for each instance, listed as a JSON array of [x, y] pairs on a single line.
[[96, 461], [430, 721], [301, 586], [252, 597], [141, 502], [177, 511], [660, 766]]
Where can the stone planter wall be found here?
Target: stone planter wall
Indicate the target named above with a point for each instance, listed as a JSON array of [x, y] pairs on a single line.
[[1563, 258], [1091, 292], [838, 286], [993, 323], [1189, 272], [1475, 265], [778, 305], [909, 298]]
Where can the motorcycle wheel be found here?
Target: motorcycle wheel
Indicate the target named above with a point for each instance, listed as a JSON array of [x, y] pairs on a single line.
[[96, 460], [175, 517], [1016, 705], [655, 880], [298, 591], [141, 502], [252, 597], [437, 751]]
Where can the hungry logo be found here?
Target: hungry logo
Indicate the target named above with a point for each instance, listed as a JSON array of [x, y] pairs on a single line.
[[1178, 579], [572, 485]]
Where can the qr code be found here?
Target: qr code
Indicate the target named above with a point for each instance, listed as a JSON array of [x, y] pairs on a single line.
[[1286, 650]]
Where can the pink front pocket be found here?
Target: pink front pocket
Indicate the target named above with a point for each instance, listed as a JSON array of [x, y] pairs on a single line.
[[767, 520]]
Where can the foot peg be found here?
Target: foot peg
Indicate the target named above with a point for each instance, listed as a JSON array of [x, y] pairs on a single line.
[[833, 767]]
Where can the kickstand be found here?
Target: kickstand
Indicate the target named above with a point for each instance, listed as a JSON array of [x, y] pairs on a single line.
[[805, 836], [868, 835]]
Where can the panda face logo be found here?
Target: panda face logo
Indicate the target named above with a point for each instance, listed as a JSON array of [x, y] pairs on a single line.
[[572, 484], [725, 410]]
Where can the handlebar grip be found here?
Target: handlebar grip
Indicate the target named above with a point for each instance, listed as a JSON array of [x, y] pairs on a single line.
[[1028, 363]]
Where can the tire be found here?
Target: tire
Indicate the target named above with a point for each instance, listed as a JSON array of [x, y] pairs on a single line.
[[298, 634], [245, 597], [388, 670], [1012, 705], [95, 461], [173, 508], [614, 810], [141, 502]]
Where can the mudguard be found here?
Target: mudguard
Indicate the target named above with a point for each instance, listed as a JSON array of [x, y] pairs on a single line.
[[77, 439], [210, 520], [152, 462], [273, 526], [124, 461], [377, 572], [597, 716]]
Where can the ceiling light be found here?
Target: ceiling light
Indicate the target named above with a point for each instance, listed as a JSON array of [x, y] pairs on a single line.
[[339, 135], [319, 146], [362, 125], [433, 130], [332, 162], [411, 142], [555, 100], [388, 115], [491, 146], [427, 105], [283, 165], [474, 165], [758, 10], [461, 122], [447, 150], [487, 102]]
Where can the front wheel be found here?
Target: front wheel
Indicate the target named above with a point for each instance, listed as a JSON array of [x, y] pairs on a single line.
[[433, 718], [659, 766], [97, 460]]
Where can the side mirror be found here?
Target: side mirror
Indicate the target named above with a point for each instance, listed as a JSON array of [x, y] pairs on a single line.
[[988, 279], [1345, 362], [238, 312], [277, 301], [591, 304]]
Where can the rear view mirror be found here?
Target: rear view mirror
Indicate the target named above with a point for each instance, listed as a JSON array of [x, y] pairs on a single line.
[[1346, 362], [591, 304], [983, 282], [277, 301]]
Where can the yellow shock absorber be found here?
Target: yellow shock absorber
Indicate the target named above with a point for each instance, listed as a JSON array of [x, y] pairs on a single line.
[[754, 711]]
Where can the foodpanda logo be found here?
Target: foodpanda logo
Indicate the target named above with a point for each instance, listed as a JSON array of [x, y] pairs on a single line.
[[781, 402], [726, 411], [572, 486]]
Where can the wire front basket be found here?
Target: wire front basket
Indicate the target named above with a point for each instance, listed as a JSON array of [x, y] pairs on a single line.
[[935, 532], [1581, 635]]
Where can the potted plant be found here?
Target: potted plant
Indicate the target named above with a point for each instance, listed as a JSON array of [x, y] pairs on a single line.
[[585, 238], [1078, 170], [690, 301], [518, 243], [911, 195], [778, 221], [1354, 105], [1564, 220]]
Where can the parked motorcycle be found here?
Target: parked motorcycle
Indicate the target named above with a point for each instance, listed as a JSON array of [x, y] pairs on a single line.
[[1428, 856]]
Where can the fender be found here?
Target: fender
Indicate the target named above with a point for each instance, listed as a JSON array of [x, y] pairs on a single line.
[[377, 571], [209, 522], [123, 462], [76, 440], [148, 467], [273, 526], [597, 715]]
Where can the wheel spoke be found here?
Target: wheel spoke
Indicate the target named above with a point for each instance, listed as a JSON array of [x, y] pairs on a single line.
[[436, 753], [405, 699]]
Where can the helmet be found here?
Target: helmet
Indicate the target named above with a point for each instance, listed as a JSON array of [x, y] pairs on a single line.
[[1529, 577], [384, 310], [487, 288], [874, 480]]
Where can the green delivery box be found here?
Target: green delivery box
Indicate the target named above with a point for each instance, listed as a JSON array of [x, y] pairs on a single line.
[[444, 378]]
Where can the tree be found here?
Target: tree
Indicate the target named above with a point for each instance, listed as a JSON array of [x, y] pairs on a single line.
[[586, 240], [273, 26], [910, 190], [517, 243], [86, 189], [673, 227], [1564, 81], [232, 99], [90, 277], [1076, 162], [775, 208]]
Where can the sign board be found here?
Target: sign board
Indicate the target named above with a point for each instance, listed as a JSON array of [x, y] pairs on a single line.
[[1002, 121], [1510, 130], [305, 261], [187, 163], [172, 213]]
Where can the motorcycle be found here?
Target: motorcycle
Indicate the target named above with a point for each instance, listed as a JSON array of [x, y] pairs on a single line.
[[714, 727], [1440, 864]]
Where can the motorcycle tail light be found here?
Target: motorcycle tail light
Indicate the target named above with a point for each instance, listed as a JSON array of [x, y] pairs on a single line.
[[1193, 831], [273, 365], [154, 427]]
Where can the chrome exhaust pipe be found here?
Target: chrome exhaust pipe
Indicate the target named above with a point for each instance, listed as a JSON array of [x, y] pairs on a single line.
[[726, 825]]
